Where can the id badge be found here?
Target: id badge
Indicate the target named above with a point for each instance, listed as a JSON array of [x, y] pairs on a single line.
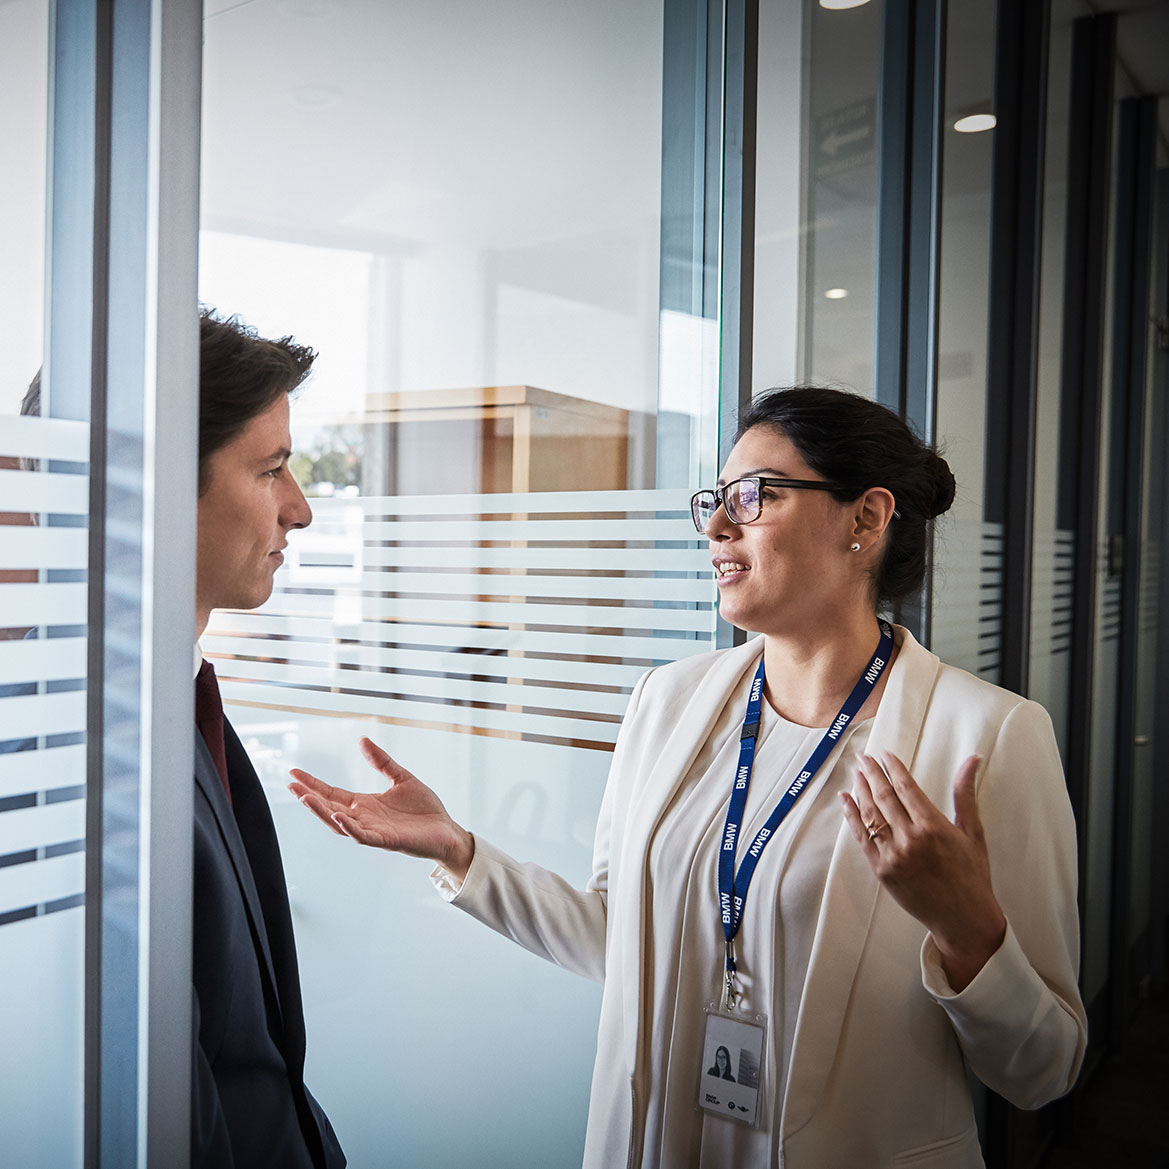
[[731, 1076]]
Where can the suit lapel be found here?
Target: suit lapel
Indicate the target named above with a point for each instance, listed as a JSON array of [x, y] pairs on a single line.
[[682, 728], [850, 896], [209, 784], [267, 871]]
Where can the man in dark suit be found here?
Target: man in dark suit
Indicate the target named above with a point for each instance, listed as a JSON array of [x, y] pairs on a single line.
[[250, 1106]]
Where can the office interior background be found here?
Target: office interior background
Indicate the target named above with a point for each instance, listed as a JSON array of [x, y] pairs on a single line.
[[545, 252]]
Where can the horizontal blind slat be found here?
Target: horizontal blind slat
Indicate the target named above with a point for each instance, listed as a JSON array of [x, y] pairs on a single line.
[[563, 531], [42, 770], [533, 502], [24, 716], [319, 702], [37, 547], [44, 491], [42, 604], [455, 636], [36, 882], [29, 437], [515, 584], [42, 659], [454, 690], [372, 657], [533, 559], [29, 828], [494, 612]]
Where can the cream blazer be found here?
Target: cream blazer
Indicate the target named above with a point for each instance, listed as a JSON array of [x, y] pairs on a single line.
[[878, 1065]]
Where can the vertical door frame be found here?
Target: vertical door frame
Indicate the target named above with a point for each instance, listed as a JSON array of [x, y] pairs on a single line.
[[909, 126], [142, 60], [1132, 312], [1081, 387]]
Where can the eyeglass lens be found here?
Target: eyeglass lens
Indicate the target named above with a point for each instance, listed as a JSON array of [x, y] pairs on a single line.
[[740, 498]]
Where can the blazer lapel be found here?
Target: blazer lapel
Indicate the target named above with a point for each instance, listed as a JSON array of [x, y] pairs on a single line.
[[683, 726], [207, 777], [850, 896]]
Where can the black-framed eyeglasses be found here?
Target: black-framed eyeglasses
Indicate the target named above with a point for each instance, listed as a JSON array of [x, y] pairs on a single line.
[[743, 498]]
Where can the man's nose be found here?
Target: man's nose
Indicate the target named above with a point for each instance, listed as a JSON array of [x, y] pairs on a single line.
[[296, 512]]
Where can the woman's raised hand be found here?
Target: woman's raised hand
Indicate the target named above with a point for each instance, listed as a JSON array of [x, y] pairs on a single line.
[[407, 817], [936, 870]]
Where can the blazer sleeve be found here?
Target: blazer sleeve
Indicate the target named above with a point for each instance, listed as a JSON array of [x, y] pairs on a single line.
[[1021, 1022], [538, 909]]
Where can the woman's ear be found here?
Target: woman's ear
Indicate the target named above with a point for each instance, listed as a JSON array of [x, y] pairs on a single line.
[[873, 514]]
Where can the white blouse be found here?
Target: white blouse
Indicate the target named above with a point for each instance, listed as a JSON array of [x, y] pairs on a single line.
[[773, 946]]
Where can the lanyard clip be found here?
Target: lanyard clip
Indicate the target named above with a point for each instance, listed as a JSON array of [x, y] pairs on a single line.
[[730, 995]]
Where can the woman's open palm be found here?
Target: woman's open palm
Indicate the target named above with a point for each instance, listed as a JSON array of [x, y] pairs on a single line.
[[407, 817]]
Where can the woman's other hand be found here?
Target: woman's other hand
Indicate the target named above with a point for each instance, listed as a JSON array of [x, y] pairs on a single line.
[[936, 870], [407, 817]]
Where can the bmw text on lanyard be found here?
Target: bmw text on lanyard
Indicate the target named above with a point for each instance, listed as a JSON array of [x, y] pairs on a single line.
[[732, 886]]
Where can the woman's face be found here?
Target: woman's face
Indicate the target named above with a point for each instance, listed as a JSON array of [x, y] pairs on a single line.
[[791, 565], [722, 1059]]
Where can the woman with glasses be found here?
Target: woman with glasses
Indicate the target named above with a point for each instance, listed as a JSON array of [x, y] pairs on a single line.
[[845, 865]]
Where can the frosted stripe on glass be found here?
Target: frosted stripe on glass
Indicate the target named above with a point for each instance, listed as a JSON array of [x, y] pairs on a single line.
[[44, 491], [325, 702], [29, 828], [42, 659], [350, 591], [528, 503], [647, 649], [30, 771], [42, 714], [44, 438], [516, 584], [532, 559], [42, 604], [563, 531], [39, 881], [491, 612], [457, 690], [374, 658], [40, 547]]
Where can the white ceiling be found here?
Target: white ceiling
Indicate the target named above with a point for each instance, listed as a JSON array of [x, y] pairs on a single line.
[[388, 125]]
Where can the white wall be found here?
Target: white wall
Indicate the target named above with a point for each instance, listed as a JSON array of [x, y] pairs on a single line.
[[24, 35]]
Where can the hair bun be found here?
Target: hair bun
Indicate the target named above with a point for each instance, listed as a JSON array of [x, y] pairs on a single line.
[[944, 485]]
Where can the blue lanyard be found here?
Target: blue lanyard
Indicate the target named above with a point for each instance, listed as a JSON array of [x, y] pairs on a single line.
[[732, 887]]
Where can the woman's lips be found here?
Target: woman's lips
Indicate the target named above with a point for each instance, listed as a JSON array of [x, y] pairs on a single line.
[[726, 571]]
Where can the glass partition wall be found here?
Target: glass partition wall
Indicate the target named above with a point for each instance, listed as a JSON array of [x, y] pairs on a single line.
[[460, 208], [44, 502]]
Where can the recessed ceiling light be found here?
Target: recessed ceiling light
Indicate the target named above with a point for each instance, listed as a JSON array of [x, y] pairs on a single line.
[[836, 293], [838, 5], [975, 123]]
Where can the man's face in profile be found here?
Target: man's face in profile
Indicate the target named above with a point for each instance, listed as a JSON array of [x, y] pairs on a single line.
[[246, 512]]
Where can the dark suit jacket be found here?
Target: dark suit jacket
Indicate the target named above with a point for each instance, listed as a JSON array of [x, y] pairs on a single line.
[[250, 1107]]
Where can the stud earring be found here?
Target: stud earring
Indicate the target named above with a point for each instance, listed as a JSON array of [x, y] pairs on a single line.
[[856, 547]]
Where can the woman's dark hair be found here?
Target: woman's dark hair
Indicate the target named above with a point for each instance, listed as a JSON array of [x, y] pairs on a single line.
[[240, 375], [857, 443]]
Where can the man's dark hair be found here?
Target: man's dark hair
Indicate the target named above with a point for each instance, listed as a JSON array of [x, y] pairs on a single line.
[[240, 375]]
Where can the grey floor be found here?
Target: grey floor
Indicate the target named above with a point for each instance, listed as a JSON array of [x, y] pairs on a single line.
[[1121, 1121]]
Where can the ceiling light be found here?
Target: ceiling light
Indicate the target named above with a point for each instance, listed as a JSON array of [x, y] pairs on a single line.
[[837, 5], [836, 293], [975, 123]]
